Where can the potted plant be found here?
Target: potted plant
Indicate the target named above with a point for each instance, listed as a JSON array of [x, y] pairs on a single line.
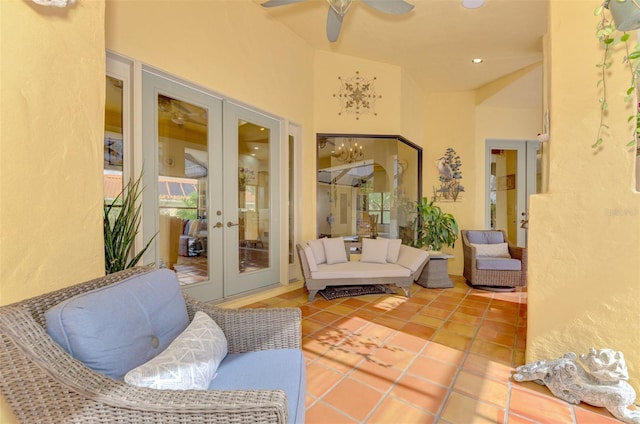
[[434, 228], [121, 220], [615, 18]]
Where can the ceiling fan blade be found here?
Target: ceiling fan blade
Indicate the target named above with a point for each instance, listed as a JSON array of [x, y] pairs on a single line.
[[273, 3], [334, 23], [394, 7]]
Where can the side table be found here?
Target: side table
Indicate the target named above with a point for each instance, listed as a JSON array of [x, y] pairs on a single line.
[[435, 275]]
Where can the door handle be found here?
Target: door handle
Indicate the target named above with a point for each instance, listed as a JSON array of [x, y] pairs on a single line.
[[218, 225], [231, 224]]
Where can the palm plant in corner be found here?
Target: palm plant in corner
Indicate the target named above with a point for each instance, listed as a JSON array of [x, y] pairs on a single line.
[[121, 221]]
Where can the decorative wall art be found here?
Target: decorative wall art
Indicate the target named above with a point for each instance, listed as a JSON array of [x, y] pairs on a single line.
[[357, 95], [450, 175]]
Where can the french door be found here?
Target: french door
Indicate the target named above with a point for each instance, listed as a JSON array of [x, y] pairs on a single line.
[[513, 174], [210, 188]]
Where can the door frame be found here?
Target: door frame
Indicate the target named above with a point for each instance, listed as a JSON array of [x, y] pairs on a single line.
[[235, 282], [153, 83], [525, 179]]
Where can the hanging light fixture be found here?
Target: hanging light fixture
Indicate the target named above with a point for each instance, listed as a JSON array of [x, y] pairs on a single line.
[[349, 154], [626, 14], [340, 6]]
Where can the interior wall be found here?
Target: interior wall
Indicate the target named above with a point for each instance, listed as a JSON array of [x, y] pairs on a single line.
[[451, 122], [51, 146], [584, 234]]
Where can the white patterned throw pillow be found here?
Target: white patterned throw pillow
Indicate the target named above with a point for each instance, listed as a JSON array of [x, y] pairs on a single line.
[[493, 250], [189, 362]]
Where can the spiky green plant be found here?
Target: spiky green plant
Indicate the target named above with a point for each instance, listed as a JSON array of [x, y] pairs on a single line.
[[121, 224]]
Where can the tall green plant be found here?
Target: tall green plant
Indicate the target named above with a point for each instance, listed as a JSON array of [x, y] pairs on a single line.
[[121, 221], [434, 227]]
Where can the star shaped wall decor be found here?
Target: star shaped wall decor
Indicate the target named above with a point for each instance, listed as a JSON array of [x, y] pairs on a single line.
[[357, 95]]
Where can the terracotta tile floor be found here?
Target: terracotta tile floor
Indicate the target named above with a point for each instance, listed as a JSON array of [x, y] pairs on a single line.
[[441, 356]]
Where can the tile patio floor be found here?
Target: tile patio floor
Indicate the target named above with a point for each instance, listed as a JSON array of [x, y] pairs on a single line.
[[441, 356]]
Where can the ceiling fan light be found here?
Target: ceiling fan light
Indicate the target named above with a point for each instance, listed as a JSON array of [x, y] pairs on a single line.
[[341, 7], [472, 4], [626, 14]]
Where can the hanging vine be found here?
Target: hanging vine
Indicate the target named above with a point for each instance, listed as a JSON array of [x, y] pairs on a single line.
[[610, 37]]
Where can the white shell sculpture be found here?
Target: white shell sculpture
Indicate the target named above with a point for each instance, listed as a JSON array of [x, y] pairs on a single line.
[[600, 380], [57, 3]]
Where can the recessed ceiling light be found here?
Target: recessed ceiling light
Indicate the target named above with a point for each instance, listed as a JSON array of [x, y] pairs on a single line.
[[255, 147], [477, 60], [472, 4], [253, 154]]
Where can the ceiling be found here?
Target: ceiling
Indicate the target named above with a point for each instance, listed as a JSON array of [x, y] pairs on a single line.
[[435, 42]]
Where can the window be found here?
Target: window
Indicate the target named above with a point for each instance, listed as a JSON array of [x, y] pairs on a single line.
[[367, 185], [379, 204]]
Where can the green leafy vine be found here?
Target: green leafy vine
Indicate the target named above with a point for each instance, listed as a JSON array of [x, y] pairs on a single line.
[[609, 37]]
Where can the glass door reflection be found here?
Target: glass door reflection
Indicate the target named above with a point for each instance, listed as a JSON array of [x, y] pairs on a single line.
[[254, 212], [182, 188]]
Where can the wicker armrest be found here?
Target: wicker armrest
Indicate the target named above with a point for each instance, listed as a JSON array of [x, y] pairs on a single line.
[[43, 383], [516, 252], [255, 329]]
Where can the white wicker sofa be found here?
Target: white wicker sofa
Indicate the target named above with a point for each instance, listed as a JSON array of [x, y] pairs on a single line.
[[326, 262]]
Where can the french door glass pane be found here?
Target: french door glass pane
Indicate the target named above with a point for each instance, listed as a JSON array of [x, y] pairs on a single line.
[[254, 211], [504, 192], [291, 200], [113, 139], [183, 163]]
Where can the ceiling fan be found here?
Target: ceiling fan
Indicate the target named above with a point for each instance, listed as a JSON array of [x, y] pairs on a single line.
[[339, 8]]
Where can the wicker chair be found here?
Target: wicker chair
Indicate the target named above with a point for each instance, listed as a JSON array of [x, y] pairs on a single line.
[[43, 384], [493, 278]]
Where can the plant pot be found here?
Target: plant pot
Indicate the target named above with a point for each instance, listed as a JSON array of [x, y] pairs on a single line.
[[626, 14]]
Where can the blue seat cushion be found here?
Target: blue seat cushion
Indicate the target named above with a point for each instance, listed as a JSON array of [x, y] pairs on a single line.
[[498, 264], [282, 369], [485, 237], [119, 327]]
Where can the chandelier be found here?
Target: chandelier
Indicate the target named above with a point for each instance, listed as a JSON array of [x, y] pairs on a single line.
[[349, 154]]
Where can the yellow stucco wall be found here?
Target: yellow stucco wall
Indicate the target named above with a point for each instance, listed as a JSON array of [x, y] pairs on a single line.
[[584, 234], [52, 79], [235, 49]]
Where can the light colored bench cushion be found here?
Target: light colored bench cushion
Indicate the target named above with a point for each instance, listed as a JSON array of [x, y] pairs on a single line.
[[485, 237], [317, 247], [374, 250], [282, 369], [117, 328], [498, 264], [412, 258], [355, 269], [334, 251], [394, 250]]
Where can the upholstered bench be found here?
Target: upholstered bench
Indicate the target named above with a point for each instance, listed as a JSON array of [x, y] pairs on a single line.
[[129, 347], [326, 262]]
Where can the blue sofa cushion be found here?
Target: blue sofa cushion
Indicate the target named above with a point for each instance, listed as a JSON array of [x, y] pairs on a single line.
[[485, 237], [498, 264], [117, 328], [266, 370]]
